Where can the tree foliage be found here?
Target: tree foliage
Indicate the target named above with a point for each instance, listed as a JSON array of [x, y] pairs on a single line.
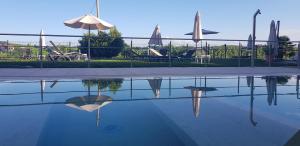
[[103, 45]]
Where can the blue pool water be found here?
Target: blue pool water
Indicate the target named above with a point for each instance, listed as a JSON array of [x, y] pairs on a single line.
[[160, 111]]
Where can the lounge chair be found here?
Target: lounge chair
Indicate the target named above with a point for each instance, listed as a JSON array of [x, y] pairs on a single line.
[[56, 55]]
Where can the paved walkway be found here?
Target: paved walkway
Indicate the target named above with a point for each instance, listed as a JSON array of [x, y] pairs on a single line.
[[71, 73]]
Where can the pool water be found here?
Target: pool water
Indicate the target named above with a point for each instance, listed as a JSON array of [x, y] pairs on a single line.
[[151, 111]]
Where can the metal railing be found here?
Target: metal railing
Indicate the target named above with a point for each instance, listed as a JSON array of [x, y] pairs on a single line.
[[176, 52]]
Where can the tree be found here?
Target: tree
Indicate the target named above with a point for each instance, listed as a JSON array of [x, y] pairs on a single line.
[[286, 47], [103, 45]]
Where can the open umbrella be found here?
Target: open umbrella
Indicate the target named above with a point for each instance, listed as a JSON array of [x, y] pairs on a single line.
[[155, 85], [89, 104], [155, 39], [204, 32], [88, 22], [197, 32]]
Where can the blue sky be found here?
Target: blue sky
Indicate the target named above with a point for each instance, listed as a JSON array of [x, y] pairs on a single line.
[[233, 18]]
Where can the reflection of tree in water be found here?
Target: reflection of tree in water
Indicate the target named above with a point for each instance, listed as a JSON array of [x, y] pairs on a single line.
[[282, 80], [112, 84]]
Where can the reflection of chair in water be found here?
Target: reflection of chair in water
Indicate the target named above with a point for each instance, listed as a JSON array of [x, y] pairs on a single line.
[[271, 89], [155, 85]]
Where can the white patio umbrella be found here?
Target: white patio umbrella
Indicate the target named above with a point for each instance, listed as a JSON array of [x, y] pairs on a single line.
[[197, 33], [273, 40], [88, 22], [42, 43], [155, 39]]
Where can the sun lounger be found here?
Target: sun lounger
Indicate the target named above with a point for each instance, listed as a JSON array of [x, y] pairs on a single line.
[[56, 55]]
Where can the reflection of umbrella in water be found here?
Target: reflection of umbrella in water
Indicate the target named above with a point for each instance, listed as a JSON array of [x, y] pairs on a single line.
[[271, 89], [43, 86], [297, 86], [249, 80], [155, 85], [251, 85], [89, 103], [197, 94]]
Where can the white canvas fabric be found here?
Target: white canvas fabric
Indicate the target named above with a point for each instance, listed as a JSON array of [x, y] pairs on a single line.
[[197, 33], [155, 39], [88, 22], [273, 40]]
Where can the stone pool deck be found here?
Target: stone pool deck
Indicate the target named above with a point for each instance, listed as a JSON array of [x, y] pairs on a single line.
[[78, 73]]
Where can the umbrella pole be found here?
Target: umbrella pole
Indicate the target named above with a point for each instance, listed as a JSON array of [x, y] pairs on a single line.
[[89, 47], [196, 58]]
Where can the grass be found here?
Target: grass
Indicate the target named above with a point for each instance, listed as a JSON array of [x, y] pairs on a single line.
[[128, 63]]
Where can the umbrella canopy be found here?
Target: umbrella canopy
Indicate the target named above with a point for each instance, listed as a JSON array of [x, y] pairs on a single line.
[[155, 39], [155, 85], [204, 32], [273, 40], [88, 22], [42, 41], [88, 103], [197, 33], [249, 43]]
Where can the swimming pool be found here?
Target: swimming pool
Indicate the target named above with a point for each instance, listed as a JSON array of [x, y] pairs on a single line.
[[212, 110]]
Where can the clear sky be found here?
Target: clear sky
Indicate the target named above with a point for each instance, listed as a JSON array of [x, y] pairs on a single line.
[[233, 18]]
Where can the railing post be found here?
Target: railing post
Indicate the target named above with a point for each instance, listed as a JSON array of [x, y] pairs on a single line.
[[170, 51], [206, 54], [298, 59], [7, 46], [41, 57], [225, 49], [239, 55], [131, 54]]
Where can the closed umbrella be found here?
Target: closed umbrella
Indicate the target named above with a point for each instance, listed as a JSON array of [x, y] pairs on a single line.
[[42, 43], [271, 89], [249, 44], [155, 39], [197, 94], [155, 85], [273, 40], [197, 33], [88, 22]]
